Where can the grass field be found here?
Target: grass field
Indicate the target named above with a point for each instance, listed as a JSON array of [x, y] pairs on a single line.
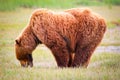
[[103, 66], [8, 5]]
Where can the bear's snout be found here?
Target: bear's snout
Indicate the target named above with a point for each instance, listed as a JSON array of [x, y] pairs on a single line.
[[26, 63]]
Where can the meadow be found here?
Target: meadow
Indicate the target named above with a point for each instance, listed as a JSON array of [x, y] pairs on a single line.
[[103, 66], [9, 5]]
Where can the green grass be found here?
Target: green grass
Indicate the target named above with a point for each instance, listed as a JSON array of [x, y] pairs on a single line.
[[7, 5], [13, 4], [103, 66]]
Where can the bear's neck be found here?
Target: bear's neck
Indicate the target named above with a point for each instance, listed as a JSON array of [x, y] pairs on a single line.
[[29, 38], [36, 40]]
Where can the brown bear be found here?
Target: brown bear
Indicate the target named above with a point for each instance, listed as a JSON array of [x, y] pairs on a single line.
[[72, 36]]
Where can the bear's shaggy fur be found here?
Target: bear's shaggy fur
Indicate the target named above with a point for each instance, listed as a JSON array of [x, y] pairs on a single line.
[[72, 36]]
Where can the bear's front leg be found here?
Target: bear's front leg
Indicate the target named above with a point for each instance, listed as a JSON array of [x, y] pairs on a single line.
[[55, 42], [61, 56], [58, 46], [59, 50]]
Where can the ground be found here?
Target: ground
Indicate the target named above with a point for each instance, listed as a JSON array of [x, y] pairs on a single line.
[[103, 65]]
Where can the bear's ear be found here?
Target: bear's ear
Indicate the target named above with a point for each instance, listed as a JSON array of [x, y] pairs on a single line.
[[17, 41]]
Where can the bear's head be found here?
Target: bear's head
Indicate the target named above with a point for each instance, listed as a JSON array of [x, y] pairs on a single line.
[[23, 54]]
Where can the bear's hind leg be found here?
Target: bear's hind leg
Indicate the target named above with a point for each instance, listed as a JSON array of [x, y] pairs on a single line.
[[83, 55]]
